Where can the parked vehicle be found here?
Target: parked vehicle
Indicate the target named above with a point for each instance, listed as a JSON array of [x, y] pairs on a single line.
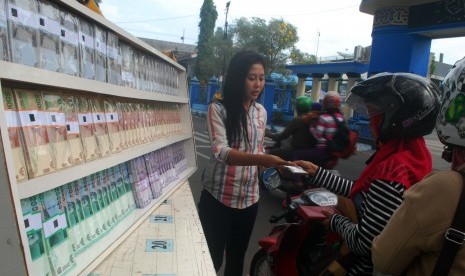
[[301, 245]]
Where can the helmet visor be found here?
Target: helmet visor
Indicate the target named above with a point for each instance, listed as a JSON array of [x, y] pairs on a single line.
[[363, 107]]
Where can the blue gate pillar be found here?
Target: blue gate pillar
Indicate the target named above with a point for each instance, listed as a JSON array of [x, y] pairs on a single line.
[[213, 87], [267, 97], [194, 90], [394, 49]]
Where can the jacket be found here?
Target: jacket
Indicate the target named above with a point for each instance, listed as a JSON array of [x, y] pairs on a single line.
[[414, 236]]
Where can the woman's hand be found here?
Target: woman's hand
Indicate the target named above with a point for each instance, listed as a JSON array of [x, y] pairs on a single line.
[[309, 167], [275, 161]]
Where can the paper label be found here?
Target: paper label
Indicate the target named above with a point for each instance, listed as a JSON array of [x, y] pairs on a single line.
[[22, 16], [69, 36], [49, 25], [87, 40], [98, 117], [85, 118], [30, 118], [111, 117], [55, 118], [72, 128], [54, 224], [12, 119], [33, 221]]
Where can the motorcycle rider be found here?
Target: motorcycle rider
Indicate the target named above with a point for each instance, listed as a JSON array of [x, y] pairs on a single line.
[[322, 131], [402, 108], [297, 129], [414, 236]]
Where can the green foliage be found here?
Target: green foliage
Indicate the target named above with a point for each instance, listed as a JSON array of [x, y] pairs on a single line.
[[222, 52], [208, 16], [432, 66], [299, 57], [274, 40]]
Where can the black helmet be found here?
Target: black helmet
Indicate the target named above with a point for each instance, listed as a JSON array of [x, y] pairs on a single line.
[[410, 103]]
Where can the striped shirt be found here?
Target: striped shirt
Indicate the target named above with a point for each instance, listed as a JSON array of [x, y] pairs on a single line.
[[325, 128], [234, 186], [378, 204]]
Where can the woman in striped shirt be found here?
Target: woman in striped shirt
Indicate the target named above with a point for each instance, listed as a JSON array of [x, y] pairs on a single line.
[[229, 201], [402, 108]]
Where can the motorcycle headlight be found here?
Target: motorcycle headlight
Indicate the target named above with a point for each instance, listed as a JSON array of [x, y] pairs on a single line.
[[323, 198]]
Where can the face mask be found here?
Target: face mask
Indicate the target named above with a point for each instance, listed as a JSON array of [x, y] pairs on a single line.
[[375, 123]]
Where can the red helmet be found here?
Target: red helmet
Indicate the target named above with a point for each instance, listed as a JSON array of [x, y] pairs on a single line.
[[332, 100]]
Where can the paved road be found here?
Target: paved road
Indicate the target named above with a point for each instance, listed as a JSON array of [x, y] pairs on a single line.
[[270, 201]]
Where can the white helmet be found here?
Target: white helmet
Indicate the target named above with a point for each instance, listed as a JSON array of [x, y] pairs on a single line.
[[450, 124]]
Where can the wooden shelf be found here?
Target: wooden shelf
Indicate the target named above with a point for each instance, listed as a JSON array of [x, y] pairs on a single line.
[[31, 75], [100, 250], [15, 257], [49, 181], [126, 36]]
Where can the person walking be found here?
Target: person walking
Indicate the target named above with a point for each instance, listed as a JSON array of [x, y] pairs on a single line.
[[236, 125]]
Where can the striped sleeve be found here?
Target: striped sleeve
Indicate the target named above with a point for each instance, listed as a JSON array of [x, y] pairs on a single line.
[[332, 182], [217, 132], [379, 203]]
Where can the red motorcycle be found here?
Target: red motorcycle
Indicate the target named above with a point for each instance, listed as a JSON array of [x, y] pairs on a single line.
[[301, 246]]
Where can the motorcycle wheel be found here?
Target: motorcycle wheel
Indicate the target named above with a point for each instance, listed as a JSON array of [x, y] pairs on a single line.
[[260, 265]]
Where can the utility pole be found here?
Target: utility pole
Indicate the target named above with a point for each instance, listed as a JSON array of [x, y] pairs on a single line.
[[225, 38], [317, 44]]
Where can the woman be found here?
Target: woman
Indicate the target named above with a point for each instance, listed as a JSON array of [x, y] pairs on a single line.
[[229, 201], [413, 240], [402, 108]]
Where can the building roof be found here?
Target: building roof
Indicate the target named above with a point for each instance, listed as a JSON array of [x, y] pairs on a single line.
[[181, 51]]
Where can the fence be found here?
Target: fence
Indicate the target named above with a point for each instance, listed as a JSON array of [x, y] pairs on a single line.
[[278, 100]]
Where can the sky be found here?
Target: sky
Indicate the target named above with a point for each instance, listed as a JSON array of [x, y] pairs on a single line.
[[339, 23]]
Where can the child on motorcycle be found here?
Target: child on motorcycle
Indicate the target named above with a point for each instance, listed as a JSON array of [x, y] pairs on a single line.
[[402, 108], [297, 130], [414, 236]]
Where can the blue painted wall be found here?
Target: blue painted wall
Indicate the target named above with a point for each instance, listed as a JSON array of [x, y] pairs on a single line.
[[394, 49]]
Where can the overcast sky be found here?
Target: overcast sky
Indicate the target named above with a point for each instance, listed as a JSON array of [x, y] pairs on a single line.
[[340, 23]]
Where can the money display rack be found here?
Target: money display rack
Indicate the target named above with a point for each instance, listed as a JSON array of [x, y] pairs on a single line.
[[157, 89]]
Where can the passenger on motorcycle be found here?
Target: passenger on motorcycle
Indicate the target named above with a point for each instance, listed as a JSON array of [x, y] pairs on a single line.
[[297, 130], [323, 131], [402, 108], [414, 236]]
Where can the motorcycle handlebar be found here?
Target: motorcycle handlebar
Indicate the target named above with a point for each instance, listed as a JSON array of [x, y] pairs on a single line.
[[278, 217]]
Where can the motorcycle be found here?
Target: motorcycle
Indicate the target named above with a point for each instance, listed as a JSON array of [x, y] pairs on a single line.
[[301, 245]]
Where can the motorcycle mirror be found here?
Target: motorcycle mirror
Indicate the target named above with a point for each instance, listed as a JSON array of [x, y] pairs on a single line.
[[271, 179]]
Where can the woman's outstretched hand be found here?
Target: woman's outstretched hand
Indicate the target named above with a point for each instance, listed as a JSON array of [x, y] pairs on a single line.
[[275, 161], [309, 167]]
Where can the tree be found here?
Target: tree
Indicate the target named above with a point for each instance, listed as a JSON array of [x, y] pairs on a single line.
[[299, 57], [222, 51], [274, 40], [204, 62]]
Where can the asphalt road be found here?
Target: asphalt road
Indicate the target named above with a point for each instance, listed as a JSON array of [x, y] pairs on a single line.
[[270, 202]]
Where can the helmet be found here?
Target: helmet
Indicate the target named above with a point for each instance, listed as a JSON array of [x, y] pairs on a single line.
[[303, 104], [450, 124], [409, 103], [332, 100]]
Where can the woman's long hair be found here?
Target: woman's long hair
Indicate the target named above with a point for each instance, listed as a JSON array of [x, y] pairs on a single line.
[[234, 95]]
